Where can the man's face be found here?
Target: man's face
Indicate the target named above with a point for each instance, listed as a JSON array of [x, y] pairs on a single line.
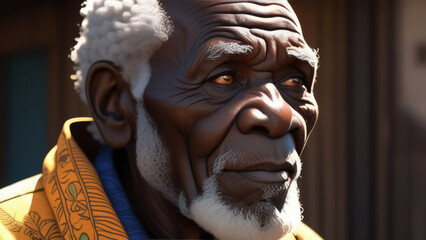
[[231, 96]]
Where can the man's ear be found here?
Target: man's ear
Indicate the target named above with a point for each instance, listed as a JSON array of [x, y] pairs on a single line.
[[111, 103]]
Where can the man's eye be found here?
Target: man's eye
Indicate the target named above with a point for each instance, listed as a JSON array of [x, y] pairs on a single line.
[[292, 82], [224, 79]]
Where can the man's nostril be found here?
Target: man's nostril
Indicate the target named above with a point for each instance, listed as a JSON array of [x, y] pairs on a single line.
[[260, 129]]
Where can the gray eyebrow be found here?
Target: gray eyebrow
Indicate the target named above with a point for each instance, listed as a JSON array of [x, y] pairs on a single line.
[[229, 48], [305, 54]]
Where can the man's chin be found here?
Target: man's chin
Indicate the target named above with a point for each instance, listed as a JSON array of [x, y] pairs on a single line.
[[262, 221]]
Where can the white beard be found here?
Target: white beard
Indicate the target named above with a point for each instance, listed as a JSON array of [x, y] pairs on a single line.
[[152, 156], [208, 209], [226, 223]]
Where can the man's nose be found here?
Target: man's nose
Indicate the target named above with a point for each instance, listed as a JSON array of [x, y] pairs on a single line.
[[268, 113]]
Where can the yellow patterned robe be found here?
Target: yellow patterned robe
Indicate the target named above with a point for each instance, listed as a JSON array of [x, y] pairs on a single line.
[[67, 201]]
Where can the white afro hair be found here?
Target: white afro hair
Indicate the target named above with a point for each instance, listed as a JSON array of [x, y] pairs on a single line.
[[125, 32]]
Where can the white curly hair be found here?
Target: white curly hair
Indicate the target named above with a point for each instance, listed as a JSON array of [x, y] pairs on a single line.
[[125, 32]]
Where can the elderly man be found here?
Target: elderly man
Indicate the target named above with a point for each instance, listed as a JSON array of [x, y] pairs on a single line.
[[200, 112]]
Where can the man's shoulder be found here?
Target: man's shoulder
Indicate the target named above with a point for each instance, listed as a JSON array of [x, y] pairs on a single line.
[[25, 211], [303, 232], [21, 188]]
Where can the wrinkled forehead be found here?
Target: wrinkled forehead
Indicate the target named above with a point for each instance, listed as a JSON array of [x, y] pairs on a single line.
[[269, 27], [200, 16]]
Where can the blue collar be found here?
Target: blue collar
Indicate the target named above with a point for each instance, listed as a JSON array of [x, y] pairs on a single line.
[[105, 167]]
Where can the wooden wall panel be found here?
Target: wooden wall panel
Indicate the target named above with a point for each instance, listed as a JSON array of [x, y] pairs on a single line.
[[49, 25], [384, 82], [323, 186], [360, 110]]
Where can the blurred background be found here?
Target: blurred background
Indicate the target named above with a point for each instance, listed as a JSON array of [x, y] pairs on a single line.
[[364, 170]]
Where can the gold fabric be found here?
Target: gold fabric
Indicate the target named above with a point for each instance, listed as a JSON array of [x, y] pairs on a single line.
[[67, 200]]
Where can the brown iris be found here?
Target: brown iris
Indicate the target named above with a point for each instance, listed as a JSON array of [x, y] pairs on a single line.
[[292, 82], [224, 79]]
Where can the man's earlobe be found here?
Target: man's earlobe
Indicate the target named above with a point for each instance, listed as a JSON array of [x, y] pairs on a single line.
[[111, 103]]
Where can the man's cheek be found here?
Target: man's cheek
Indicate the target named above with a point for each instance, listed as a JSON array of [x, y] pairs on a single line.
[[310, 114], [309, 111], [306, 106]]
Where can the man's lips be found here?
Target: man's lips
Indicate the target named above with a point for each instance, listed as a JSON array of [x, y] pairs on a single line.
[[265, 172], [266, 177], [248, 187]]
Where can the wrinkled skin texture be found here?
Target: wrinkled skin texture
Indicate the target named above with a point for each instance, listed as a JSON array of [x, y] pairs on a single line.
[[258, 103], [259, 114]]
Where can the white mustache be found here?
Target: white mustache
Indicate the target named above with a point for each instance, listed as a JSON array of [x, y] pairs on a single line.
[[233, 157]]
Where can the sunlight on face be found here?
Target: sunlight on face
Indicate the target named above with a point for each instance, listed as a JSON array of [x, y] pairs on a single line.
[[208, 210]]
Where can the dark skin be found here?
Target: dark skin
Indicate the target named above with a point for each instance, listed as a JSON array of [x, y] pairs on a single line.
[[259, 103]]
